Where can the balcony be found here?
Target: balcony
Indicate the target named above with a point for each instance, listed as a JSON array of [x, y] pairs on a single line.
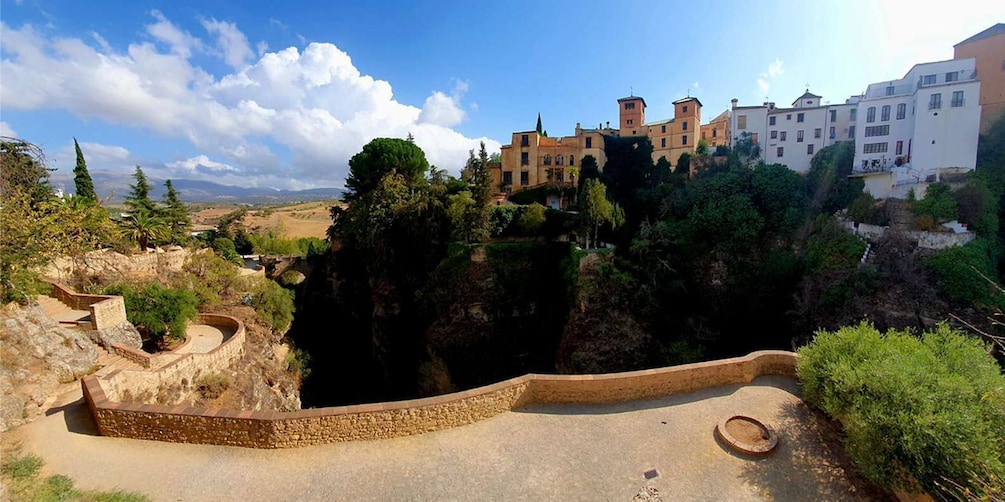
[[876, 166]]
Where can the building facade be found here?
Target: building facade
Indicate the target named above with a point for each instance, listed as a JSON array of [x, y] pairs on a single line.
[[987, 48], [921, 125], [792, 135]]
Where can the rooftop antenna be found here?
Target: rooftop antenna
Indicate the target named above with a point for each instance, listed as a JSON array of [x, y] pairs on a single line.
[[631, 91]]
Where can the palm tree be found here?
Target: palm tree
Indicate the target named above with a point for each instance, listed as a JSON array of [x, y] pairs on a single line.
[[142, 227]]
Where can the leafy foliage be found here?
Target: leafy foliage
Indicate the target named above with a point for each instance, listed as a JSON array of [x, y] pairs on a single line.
[[83, 185], [532, 219], [273, 304], [138, 201], [828, 185], [379, 158], [964, 273], [938, 203], [175, 216], [145, 228], [978, 207], [208, 276], [832, 247], [156, 310], [928, 408]]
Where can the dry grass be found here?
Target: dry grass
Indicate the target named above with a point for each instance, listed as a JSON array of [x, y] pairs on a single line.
[[309, 219]]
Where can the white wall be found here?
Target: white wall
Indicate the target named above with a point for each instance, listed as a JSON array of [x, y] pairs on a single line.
[[795, 154], [947, 137]]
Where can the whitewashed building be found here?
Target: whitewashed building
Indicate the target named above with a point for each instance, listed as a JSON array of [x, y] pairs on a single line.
[[791, 136], [918, 127]]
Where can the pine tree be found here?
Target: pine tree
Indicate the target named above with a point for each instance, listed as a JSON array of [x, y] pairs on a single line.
[[538, 129], [138, 200], [176, 215], [81, 178]]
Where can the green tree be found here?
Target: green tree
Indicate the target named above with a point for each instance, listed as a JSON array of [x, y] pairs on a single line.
[[176, 215], [145, 228], [746, 150], [588, 169], [595, 208], [827, 183], [470, 213], [138, 200], [683, 164], [702, 149], [158, 311], [532, 219], [84, 186], [937, 203], [23, 168], [379, 158]]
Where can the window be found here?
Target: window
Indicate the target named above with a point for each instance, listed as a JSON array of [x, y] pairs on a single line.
[[713, 132], [663, 129], [771, 120], [684, 109], [809, 149], [684, 126], [885, 114], [832, 131], [834, 115], [630, 122], [889, 90], [900, 148], [524, 158], [817, 132], [901, 111], [774, 134], [663, 143], [952, 76], [781, 152], [633, 131], [788, 116], [851, 132], [799, 136], [572, 160], [882, 130], [935, 102], [524, 140], [783, 136], [957, 99], [524, 178], [875, 147], [870, 114], [800, 117], [703, 134], [559, 159], [547, 160], [741, 121], [683, 139], [928, 80], [589, 142], [559, 175], [853, 114], [629, 106], [507, 177]]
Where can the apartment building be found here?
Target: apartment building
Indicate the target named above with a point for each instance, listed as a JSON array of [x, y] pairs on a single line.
[[921, 125]]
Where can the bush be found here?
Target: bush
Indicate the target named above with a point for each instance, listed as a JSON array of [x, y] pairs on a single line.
[[501, 218], [978, 208], [213, 386], [863, 209], [224, 247], [298, 361], [938, 203], [273, 304], [928, 409], [208, 276], [532, 219], [832, 247], [156, 310], [959, 271]]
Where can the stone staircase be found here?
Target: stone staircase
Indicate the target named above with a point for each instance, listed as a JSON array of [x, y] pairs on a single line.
[[111, 362], [61, 313]]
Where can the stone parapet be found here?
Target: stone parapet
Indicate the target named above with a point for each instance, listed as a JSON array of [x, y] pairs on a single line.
[[255, 429], [107, 311]]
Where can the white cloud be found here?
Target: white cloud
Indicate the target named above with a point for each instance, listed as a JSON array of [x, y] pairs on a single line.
[[262, 47], [230, 41], [203, 162], [100, 153], [695, 85], [764, 80], [312, 103], [7, 130], [763, 85]]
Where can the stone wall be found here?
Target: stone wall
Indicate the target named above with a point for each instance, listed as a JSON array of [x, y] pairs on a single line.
[[106, 262], [387, 420], [183, 371], [106, 311]]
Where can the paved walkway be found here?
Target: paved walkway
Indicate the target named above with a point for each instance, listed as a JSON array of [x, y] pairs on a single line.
[[202, 339], [543, 452]]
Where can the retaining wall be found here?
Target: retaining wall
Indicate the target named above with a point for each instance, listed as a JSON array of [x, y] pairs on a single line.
[[255, 429], [106, 311]]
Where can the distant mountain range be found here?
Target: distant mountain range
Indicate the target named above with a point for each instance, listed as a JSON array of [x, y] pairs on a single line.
[[117, 186]]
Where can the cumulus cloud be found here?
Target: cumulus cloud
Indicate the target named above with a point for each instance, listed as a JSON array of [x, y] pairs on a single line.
[[292, 117], [774, 71], [7, 130], [202, 162]]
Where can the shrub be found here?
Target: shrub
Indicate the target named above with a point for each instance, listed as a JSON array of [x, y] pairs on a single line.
[[208, 276], [863, 209], [224, 247], [924, 223], [213, 386], [978, 208], [532, 219], [156, 310], [501, 219], [927, 409], [832, 247], [298, 361], [959, 271], [938, 203], [273, 304]]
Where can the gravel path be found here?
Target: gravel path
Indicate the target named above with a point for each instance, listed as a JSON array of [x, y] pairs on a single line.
[[542, 452]]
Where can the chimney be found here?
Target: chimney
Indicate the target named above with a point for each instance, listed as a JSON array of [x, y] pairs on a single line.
[[608, 124], [734, 101]]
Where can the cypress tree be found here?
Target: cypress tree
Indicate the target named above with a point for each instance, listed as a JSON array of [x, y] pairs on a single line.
[[81, 178], [138, 200], [176, 215]]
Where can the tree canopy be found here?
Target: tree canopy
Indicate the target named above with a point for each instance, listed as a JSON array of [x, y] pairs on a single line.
[[381, 157]]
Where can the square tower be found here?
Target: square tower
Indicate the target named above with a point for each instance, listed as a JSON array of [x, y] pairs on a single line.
[[632, 112]]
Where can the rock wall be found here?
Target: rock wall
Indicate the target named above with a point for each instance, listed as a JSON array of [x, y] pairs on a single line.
[[108, 317], [387, 420], [106, 262]]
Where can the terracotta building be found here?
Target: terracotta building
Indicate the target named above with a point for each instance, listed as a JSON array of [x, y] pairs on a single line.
[[532, 160], [988, 48]]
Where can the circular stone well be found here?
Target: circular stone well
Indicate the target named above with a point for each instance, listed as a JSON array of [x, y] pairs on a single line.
[[747, 435]]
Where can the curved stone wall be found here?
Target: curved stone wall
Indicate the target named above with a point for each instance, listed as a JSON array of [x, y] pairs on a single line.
[[255, 429]]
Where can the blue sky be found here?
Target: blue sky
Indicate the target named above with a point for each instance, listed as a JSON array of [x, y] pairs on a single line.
[[281, 94]]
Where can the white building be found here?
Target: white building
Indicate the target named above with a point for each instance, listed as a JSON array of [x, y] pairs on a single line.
[[918, 127], [791, 136]]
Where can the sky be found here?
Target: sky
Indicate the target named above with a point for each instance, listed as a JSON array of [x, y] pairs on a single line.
[[282, 94]]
